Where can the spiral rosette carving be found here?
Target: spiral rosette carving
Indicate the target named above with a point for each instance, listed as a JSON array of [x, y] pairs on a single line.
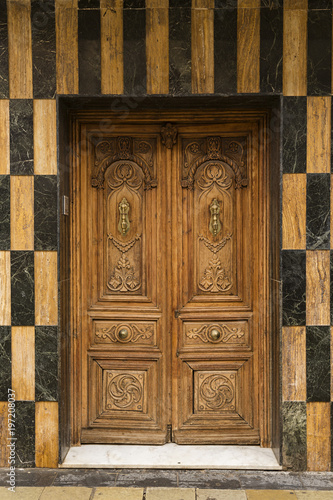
[[216, 392], [125, 391]]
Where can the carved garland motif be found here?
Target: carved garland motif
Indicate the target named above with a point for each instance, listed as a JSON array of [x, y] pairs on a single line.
[[135, 333], [226, 334], [216, 391], [214, 278], [125, 390]]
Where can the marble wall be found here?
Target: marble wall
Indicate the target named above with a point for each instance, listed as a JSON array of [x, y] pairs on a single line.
[[268, 47]]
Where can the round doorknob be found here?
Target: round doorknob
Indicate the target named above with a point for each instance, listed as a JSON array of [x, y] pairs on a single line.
[[215, 334], [123, 334]]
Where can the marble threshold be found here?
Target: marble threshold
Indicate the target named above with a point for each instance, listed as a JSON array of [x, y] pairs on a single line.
[[171, 456]]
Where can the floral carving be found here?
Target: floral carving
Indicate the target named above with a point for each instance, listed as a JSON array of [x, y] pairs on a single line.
[[135, 333], [124, 278], [214, 278], [216, 392], [125, 391], [227, 334]]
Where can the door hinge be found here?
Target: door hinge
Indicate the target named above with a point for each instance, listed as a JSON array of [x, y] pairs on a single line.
[[169, 437]]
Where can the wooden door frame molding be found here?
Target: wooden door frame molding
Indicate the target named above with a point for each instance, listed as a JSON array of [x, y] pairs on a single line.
[[70, 292]]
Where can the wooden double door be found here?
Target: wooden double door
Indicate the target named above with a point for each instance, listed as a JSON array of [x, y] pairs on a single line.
[[170, 290]]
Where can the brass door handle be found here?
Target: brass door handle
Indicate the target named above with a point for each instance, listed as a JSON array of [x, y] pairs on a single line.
[[124, 223], [214, 224]]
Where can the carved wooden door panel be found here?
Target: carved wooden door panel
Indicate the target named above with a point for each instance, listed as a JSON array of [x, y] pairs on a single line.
[[171, 259], [217, 286]]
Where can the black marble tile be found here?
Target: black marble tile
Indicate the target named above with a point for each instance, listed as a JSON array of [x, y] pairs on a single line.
[[271, 41], [4, 212], [25, 433], [225, 4], [46, 363], [21, 137], [4, 72], [89, 40], [225, 51], [176, 4], [331, 436], [22, 288], [43, 48], [89, 4], [318, 367], [318, 211], [180, 51], [331, 286], [294, 435], [134, 51], [134, 4], [6, 366], [319, 4], [45, 208], [319, 52], [294, 132], [293, 287]]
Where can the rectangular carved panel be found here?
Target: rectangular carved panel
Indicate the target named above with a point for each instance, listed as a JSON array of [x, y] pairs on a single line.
[[219, 334], [122, 333]]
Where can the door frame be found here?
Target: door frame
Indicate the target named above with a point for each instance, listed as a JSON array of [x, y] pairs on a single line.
[[70, 298]]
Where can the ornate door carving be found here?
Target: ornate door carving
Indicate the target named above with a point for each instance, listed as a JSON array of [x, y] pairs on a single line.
[[171, 273]]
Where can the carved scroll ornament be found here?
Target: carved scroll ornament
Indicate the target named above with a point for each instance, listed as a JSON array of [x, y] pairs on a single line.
[[115, 149], [200, 151], [133, 333], [216, 333]]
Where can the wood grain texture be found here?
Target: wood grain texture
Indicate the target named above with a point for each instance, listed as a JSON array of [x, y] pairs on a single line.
[[45, 136], [23, 362], [294, 363], [157, 46], [4, 137], [67, 59], [331, 220], [295, 4], [248, 4], [248, 50], [294, 52], [46, 288], [294, 212], [318, 134], [318, 287], [4, 435], [47, 427], [22, 212], [202, 42], [318, 436], [112, 47], [5, 295], [20, 49]]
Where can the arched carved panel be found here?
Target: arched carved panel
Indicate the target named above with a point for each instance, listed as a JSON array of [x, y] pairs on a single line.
[[214, 213], [124, 215]]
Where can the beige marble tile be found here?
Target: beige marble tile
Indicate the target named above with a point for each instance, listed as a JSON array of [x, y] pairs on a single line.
[[170, 494], [22, 493], [66, 493], [118, 494], [221, 495], [270, 494], [314, 495]]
